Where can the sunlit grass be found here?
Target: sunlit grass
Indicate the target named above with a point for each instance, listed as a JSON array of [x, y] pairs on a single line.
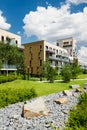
[[82, 76], [41, 88]]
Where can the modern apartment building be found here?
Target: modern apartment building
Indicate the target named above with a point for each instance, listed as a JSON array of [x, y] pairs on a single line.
[[38, 52], [15, 40], [69, 45]]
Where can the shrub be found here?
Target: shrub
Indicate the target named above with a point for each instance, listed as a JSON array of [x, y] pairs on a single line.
[[14, 95], [83, 98], [78, 116], [4, 79], [66, 73]]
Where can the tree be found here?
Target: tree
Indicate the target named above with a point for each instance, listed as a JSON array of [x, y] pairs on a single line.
[[11, 55], [75, 69], [49, 72], [0, 63], [66, 73]]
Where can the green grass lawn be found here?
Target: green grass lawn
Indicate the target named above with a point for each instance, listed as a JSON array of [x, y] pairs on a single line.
[[40, 87], [82, 76], [21, 90]]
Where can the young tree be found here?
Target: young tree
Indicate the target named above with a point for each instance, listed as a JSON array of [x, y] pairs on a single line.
[[11, 55], [49, 72], [75, 69], [66, 73]]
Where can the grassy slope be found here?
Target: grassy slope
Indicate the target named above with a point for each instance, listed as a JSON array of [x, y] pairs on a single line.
[[40, 88]]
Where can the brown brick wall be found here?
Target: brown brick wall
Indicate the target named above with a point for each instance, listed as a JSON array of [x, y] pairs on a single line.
[[34, 57]]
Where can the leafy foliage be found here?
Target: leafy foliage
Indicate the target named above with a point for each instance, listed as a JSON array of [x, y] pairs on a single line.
[[66, 73], [78, 116], [49, 72], [4, 79], [14, 95], [75, 69], [12, 55]]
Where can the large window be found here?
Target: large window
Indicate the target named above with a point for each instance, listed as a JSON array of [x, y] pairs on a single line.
[[40, 62], [40, 47]]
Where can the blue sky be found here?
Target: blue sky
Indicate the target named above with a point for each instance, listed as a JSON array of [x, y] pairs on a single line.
[[46, 19]]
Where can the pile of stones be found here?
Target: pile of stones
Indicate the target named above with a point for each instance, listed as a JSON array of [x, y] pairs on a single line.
[[44, 113]]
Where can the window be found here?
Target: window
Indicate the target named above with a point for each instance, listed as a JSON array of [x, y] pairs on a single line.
[[39, 55], [40, 48], [30, 49], [57, 51], [71, 42], [37, 70], [31, 70], [30, 63], [65, 42], [57, 44], [46, 47], [16, 42], [2, 38], [40, 62], [31, 56]]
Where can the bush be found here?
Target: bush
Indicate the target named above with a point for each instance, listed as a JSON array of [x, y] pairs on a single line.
[[14, 95], [66, 73], [4, 79], [78, 116]]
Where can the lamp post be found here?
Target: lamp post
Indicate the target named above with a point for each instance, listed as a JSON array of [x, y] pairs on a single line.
[[28, 72]]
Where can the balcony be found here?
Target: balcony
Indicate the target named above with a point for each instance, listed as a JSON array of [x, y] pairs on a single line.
[[50, 51], [65, 60], [8, 67], [53, 58], [52, 65]]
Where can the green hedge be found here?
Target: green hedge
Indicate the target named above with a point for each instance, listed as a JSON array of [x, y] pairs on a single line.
[[4, 79], [14, 95], [78, 116]]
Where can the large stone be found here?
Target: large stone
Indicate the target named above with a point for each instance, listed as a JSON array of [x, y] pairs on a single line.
[[67, 92], [80, 90], [61, 100], [35, 108], [74, 86]]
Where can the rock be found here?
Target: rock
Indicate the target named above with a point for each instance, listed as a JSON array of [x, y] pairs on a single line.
[[35, 108], [67, 92], [75, 86], [79, 90], [61, 100]]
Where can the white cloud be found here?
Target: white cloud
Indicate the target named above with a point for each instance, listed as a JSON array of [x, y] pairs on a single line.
[[52, 23], [76, 1], [3, 23], [82, 55]]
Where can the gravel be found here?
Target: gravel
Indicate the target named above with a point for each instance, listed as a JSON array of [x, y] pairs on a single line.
[[11, 119]]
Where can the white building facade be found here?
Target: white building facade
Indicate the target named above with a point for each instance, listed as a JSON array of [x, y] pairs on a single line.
[[16, 41], [69, 45]]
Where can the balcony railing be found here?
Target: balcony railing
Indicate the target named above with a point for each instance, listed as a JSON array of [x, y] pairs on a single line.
[[65, 60], [53, 58], [49, 50], [8, 67], [59, 59], [52, 65]]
